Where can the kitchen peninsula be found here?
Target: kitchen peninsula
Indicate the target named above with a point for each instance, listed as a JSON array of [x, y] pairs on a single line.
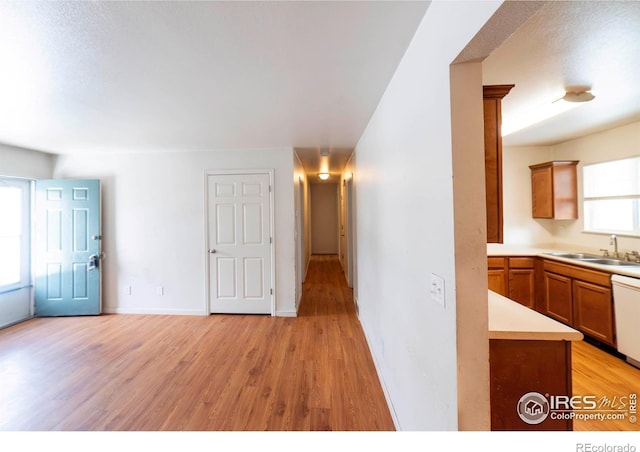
[[528, 352]]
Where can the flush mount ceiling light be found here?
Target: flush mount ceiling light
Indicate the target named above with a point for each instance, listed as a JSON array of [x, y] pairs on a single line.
[[323, 176], [581, 96], [569, 101]]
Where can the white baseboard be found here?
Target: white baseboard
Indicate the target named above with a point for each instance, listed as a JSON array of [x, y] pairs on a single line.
[[378, 367], [286, 314], [151, 311]]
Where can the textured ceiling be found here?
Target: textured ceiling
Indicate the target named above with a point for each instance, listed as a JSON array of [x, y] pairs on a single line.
[[565, 44], [173, 75]]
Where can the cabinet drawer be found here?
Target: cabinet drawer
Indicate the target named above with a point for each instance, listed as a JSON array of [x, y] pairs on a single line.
[[496, 262], [521, 262], [584, 274]]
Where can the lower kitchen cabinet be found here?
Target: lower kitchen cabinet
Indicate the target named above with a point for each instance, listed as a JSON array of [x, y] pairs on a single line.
[[558, 296], [497, 275], [574, 295], [513, 277], [521, 281], [581, 298], [593, 307]]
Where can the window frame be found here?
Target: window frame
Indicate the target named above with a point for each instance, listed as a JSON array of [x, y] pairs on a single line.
[[634, 197], [25, 185]]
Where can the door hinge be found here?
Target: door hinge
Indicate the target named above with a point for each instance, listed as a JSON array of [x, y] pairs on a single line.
[[271, 291], [270, 239], [269, 188]]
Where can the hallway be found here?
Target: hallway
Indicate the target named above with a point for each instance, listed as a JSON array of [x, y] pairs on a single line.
[[191, 373]]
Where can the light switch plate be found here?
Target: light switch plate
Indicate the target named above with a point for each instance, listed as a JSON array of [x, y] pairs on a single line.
[[437, 289]]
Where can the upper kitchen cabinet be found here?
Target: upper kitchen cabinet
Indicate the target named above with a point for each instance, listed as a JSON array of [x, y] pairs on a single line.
[[554, 190], [492, 96]]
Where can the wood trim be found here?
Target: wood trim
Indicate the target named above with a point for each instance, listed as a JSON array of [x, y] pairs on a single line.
[[496, 91], [554, 163]]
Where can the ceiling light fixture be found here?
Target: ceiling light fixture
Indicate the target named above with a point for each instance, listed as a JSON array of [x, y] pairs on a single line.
[[323, 176], [580, 96], [569, 101]]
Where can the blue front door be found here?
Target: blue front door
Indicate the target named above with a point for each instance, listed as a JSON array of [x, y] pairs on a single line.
[[67, 248]]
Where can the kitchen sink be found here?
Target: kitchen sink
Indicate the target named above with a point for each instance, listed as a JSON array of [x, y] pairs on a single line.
[[617, 262], [595, 259], [576, 255]]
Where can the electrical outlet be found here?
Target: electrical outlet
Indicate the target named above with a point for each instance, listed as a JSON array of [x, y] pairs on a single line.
[[160, 290], [437, 289]]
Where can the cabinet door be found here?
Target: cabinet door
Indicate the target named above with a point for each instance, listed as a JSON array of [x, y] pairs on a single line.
[[565, 192], [554, 190], [521, 286], [493, 169], [492, 99], [558, 294], [593, 311], [542, 192], [498, 281]]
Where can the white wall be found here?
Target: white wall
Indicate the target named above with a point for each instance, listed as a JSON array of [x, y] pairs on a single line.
[[405, 227], [324, 218], [17, 162], [154, 225], [519, 227]]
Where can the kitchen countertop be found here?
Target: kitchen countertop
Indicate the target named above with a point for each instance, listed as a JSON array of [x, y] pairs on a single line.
[[499, 249], [511, 320]]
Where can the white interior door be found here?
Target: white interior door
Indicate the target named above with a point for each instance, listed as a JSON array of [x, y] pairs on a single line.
[[239, 243]]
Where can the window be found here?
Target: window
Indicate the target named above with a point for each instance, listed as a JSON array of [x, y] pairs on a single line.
[[612, 197], [14, 233]]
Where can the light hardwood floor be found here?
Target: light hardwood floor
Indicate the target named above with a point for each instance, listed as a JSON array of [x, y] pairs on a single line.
[[179, 373], [225, 372], [602, 374]]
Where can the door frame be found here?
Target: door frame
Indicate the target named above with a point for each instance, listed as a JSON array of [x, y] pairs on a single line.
[[205, 251], [351, 263]]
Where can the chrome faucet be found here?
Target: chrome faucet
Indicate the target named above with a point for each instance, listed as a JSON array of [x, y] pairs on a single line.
[[614, 241]]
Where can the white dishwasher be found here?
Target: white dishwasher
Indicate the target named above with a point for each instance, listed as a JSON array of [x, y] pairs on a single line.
[[626, 306]]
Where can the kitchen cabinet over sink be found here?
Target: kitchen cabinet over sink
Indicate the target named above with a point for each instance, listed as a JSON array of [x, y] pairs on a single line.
[[554, 190]]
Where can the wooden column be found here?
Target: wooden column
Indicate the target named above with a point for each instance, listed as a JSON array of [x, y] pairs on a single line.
[[492, 96]]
